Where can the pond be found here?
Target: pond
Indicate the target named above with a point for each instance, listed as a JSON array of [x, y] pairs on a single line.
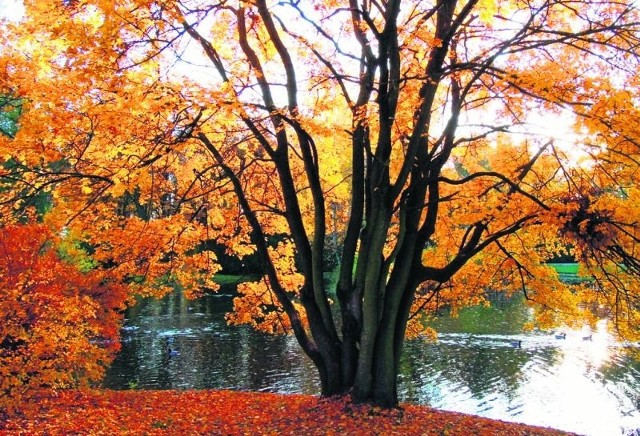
[[490, 369]]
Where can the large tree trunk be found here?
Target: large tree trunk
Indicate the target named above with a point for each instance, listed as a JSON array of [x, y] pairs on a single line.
[[331, 379]]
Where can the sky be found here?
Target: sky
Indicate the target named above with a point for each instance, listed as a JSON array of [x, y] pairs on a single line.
[[545, 125], [11, 9]]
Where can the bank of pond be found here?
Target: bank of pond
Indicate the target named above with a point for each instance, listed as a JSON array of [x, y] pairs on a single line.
[[482, 364], [224, 412]]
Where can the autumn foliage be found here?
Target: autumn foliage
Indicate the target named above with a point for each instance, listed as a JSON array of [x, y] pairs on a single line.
[[435, 151], [237, 413], [59, 327]]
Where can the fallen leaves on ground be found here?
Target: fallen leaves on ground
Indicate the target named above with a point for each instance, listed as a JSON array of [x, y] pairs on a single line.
[[243, 413]]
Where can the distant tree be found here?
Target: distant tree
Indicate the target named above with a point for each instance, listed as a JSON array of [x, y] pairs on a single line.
[[10, 110]]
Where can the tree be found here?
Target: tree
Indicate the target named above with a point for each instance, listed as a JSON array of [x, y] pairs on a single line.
[[10, 109], [407, 128], [60, 327]]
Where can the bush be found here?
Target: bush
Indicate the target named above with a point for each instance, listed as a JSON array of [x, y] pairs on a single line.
[[58, 327]]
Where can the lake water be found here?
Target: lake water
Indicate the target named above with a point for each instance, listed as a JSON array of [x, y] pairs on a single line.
[[590, 387]]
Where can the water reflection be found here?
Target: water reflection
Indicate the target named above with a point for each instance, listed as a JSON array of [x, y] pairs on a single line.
[[590, 387], [208, 353]]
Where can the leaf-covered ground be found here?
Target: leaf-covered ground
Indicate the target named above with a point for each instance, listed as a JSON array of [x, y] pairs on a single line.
[[240, 413]]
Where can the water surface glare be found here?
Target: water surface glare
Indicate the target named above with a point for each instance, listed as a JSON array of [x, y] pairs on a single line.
[[588, 386]]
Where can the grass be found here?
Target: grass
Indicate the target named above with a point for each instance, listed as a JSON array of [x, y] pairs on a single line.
[[565, 268], [232, 279]]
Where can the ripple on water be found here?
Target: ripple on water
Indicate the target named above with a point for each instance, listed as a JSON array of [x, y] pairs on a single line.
[[588, 387], [579, 385]]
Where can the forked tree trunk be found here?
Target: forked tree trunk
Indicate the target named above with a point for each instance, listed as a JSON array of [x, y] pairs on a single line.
[[380, 387]]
